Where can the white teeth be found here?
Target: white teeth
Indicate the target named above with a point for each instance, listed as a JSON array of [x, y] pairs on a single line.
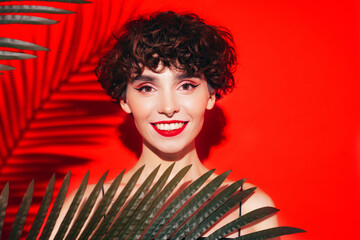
[[169, 127]]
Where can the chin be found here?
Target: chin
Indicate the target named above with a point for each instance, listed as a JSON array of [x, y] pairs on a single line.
[[171, 149]]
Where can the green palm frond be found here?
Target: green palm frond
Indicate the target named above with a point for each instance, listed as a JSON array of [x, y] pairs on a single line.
[[158, 203], [176, 204], [145, 203], [72, 209], [103, 206], [40, 216], [214, 204], [24, 19], [234, 200], [18, 44], [6, 68], [7, 55], [242, 221], [85, 211], [192, 206], [130, 208], [4, 198], [104, 226], [59, 200], [32, 9], [64, 1], [10, 16], [189, 219], [20, 218]]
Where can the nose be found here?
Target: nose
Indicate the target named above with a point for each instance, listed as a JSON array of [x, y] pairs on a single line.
[[168, 105]]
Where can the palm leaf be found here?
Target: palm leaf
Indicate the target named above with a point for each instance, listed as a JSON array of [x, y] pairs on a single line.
[[131, 206], [14, 55], [64, 1], [176, 204], [20, 218], [192, 206], [4, 198], [6, 68], [73, 208], [242, 221], [103, 206], [24, 19], [32, 9], [85, 211], [18, 44], [115, 209], [208, 209], [145, 203], [40, 216], [55, 211], [142, 207], [219, 212], [158, 203]]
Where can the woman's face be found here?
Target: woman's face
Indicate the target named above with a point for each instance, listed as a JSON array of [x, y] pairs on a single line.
[[168, 107]]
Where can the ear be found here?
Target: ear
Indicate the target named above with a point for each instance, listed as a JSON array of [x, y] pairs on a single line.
[[211, 100], [125, 106]]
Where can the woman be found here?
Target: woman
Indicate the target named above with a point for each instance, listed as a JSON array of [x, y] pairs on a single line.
[[166, 71]]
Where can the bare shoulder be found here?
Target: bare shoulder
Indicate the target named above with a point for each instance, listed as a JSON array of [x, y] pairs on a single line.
[[257, 200]]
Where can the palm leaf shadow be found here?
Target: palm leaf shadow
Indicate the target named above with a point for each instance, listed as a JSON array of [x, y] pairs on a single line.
[[62, 123], [52, 105]]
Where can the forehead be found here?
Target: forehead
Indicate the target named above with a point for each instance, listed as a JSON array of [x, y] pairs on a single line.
[[166, 72]]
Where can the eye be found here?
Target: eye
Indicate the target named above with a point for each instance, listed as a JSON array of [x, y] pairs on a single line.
[[145, 89], [188, 86]]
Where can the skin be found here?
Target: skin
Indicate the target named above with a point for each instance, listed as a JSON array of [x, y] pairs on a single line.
[[167, 96], [173, 95]]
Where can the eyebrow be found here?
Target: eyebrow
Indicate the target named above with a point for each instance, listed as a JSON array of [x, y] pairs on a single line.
[[178, 77], [187, 75], [143, 78]]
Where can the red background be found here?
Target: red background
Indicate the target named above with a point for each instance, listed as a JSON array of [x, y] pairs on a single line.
[[291, 126]]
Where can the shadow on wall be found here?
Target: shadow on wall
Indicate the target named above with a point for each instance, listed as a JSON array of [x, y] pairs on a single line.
[[212, 133]]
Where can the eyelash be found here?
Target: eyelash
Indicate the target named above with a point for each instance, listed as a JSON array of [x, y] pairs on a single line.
[[148, 88], [193, 86], [142, 88]]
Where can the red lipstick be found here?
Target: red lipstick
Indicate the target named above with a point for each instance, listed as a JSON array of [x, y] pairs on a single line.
[[169, 133]]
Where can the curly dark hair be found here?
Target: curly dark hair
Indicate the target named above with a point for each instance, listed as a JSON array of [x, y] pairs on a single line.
[[183, 41]]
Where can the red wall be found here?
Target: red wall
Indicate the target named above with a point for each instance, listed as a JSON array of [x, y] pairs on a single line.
[[291, 126]]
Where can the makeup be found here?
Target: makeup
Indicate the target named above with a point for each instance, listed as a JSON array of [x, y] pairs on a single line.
[[168, 108], [169, 128]]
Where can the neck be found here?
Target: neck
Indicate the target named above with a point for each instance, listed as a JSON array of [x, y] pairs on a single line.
[[152, 158]]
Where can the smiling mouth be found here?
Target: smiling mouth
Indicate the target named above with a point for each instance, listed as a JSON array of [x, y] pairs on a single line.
[[169, 128]]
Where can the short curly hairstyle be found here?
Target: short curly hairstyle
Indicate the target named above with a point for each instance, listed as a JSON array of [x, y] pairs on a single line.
[[183, 41]]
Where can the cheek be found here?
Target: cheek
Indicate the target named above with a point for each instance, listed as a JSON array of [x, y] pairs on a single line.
[[139, 105], [196, 106], [141, 110]]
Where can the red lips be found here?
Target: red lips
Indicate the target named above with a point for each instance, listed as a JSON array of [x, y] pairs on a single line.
[[169, 133]]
